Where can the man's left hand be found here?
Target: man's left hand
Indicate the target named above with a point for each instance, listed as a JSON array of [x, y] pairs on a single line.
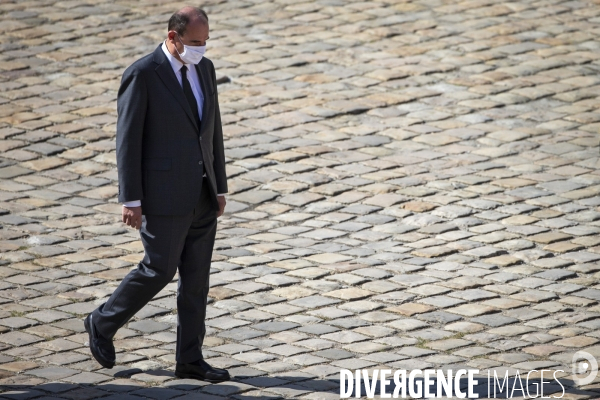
[[222, 202]]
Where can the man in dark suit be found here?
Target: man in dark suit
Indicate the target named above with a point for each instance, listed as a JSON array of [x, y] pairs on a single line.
[[172, 180]]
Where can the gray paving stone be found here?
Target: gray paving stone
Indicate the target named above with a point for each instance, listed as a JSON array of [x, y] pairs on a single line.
[[494, 320], [241, 334], [53, 373], [439, 317], [275, 326], [442, 301], [313, 302], [146, 326], [473, 295], [443, 180]]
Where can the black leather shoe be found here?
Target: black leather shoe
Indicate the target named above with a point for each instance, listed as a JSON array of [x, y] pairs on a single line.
[[102, 348], [202, 371]]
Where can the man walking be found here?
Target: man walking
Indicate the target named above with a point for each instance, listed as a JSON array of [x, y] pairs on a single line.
[[171, 167]]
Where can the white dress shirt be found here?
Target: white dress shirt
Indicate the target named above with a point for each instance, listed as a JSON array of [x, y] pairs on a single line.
[[194, 79], [192, 76]]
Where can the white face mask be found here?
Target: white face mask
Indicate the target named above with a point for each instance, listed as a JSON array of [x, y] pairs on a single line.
[[191, 54]]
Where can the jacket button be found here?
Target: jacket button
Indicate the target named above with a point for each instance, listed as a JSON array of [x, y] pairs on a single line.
[[199, 162]]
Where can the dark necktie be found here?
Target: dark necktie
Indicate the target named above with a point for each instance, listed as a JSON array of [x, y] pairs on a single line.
[[189, 95]]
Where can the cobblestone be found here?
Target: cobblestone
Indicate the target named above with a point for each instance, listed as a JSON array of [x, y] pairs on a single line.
[[411, 185]]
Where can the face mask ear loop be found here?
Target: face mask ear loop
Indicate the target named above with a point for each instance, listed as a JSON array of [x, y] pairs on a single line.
[[179, 38]]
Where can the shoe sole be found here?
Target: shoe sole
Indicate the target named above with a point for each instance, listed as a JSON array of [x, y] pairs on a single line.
[[89, 331], [182, 375]]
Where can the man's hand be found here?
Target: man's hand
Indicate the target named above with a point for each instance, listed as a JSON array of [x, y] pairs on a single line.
[[222, 202], [132, 216]]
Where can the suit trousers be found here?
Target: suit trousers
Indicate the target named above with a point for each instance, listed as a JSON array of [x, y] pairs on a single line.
[[170, 243]]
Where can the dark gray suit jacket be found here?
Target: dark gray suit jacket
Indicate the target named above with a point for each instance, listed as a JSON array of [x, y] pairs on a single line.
[[161, 152]]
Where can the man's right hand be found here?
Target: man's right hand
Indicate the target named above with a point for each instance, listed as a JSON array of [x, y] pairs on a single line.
[[132, 216]]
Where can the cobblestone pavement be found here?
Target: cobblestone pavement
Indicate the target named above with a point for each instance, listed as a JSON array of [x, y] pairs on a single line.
[[413, 185]]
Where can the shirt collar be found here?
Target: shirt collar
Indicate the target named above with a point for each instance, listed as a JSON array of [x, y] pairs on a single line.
[[175, 63]]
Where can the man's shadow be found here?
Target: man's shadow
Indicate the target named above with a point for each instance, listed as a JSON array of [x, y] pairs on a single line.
[[261, 388], [132, 384]]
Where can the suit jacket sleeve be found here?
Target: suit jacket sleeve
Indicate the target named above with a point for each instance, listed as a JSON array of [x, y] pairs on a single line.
[[218, 145], [131, 108]]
